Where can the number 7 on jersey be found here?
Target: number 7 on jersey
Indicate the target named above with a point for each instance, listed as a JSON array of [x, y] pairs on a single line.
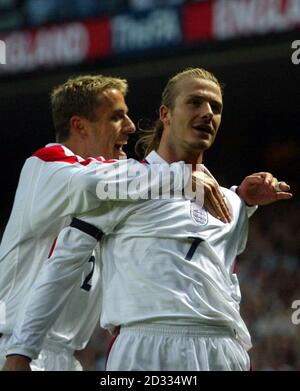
[[193, 248]]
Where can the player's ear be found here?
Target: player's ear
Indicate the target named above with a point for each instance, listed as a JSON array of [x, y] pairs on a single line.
[[164, 115], [78, 125]]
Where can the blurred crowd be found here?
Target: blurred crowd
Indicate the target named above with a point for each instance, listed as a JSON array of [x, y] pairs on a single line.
[[19, 14], [269, 275]]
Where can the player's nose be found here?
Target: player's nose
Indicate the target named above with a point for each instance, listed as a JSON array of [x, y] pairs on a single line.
[[206, 111], [129, 126]]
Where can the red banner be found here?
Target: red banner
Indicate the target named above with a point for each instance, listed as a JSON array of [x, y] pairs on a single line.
[[100, 40], [238, 18], [197, 22], [227, 19], [52, 46]]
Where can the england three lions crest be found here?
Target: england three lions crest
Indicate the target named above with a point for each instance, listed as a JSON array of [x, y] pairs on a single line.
[[198, 214]]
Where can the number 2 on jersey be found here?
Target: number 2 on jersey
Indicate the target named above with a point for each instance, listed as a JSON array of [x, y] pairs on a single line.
[[86, 286], [193, 248]]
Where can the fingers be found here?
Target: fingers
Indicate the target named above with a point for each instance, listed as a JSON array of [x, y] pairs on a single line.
[[219, 200], [262, 177], [283, 196], [279, 189], [268, 179], [215, 202], [281, 186], [252, 180], [215, 211], [282, 189], [210, 209]]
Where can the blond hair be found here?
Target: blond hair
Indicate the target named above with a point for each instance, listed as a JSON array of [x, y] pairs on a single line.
[[150, 138], [80, 96]]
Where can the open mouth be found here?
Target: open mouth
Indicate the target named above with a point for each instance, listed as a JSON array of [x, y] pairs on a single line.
[[119, 150], [202, 128]]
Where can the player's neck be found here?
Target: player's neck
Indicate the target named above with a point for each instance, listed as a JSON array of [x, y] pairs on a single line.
[[76, 147], [172, 155]]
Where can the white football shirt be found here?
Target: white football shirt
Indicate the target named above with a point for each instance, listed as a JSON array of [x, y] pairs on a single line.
[[163, 261], [53, 184]]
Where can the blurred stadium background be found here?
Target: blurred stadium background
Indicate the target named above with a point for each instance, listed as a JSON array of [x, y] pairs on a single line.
[[248, 45]]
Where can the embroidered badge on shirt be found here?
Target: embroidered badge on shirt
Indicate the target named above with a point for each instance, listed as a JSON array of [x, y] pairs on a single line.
[[198, 214]]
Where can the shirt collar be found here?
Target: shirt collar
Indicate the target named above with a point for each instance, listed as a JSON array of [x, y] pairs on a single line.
[[68, 151], [154, 157]]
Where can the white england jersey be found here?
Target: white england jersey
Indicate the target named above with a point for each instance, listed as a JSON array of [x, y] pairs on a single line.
[[55, 183], [170, 262], [163, 261]]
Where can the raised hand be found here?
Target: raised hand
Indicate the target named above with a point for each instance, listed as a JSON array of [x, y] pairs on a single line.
[[262, 189]]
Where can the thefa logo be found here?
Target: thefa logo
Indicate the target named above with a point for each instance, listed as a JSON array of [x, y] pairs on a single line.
[[198, 214]]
